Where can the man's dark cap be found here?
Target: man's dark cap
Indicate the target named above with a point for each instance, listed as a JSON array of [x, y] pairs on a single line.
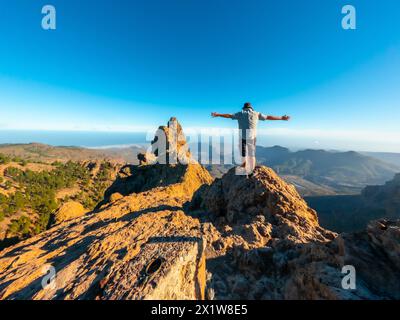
[[247, 105]]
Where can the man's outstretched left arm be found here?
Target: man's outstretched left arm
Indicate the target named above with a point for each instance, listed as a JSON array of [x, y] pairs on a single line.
[[284, 118]]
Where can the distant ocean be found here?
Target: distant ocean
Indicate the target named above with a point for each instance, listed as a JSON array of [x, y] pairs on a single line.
[[74, 138], [97, 139]]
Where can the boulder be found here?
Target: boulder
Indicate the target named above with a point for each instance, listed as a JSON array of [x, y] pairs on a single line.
[[115, 197], [69, 210], [146, 158]]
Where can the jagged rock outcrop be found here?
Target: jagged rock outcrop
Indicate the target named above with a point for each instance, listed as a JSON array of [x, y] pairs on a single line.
[[167, 231], [169, 164], [169, 144], [266, 243], [264, 196], [250, 226]]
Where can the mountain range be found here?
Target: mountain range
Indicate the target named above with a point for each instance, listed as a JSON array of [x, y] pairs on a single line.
[[388, 157], [343, 172]]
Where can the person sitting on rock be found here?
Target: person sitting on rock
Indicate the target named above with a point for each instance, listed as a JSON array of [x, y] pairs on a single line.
[[248, 120]]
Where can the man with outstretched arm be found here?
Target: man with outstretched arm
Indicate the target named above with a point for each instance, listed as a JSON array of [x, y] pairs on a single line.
[[248, 119]]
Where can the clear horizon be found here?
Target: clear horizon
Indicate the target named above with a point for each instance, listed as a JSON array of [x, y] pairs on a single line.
[[104, 139], [113, 66]]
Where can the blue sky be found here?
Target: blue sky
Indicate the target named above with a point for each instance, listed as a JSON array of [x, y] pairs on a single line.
[[129, 65]]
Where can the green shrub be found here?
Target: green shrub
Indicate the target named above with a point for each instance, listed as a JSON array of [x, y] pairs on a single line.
[[4, 159], [20, 227], [3, 199]]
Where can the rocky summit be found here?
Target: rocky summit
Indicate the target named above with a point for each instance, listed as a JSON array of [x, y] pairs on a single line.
[[169, 231]]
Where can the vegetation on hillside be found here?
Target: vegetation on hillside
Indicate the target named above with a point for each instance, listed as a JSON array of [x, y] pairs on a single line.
[[4, 159], [93, 190], [35, 197], [36, 152]]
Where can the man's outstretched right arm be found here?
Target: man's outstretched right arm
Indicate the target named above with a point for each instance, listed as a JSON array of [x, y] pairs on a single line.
[[221, 115]]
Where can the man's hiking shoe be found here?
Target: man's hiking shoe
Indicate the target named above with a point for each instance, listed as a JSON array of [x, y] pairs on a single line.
[[240, 171]]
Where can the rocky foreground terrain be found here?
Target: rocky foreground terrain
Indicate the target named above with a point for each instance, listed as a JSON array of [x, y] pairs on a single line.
[[168, 231]]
